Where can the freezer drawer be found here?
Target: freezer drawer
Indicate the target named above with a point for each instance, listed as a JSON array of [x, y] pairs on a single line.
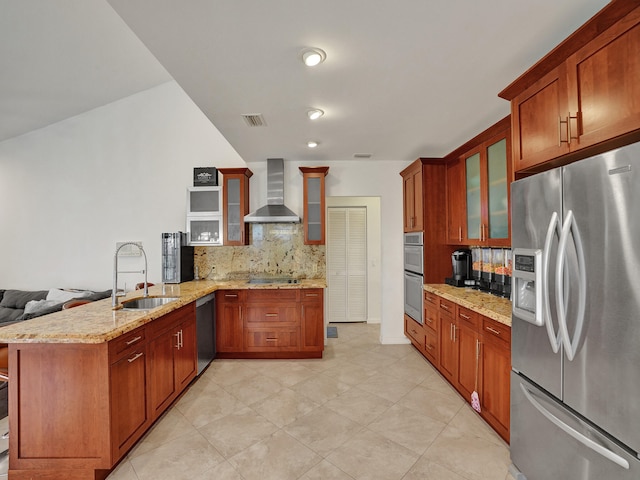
[[541, 450]]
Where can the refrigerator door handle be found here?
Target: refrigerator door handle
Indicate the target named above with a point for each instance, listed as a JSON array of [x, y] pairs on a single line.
[[570, 226], [555, 339], [587, 442]]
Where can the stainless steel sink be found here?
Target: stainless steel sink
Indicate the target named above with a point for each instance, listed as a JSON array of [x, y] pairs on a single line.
[[147, 303], [273, 280]]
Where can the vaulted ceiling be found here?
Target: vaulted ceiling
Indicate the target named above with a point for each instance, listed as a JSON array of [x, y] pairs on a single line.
[[402, 79]]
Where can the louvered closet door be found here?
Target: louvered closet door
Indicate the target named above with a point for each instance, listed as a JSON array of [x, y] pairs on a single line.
[[347, 264]]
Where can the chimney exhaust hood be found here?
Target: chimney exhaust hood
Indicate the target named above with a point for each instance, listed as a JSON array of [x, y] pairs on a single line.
[[275, 210]]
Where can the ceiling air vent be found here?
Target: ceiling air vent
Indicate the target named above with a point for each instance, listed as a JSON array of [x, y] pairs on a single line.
[[254, 119], [361, 155]]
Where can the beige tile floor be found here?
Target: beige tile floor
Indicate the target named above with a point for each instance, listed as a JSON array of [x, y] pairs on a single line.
[[364, 411]]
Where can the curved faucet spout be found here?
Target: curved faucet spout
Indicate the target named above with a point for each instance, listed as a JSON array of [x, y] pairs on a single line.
[[114, 292]]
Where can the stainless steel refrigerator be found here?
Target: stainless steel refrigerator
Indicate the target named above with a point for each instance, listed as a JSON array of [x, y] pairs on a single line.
[[575, 381]]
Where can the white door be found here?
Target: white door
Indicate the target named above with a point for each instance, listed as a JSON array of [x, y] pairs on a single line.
[[346, 264]]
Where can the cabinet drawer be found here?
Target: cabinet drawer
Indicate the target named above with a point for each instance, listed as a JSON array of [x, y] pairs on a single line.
[[431, 318], [272, 296], [265, 339], [431, 298], [270, 315], [126, 341], [447, 308], [231, 296], [468, 317], [431, 345], [311, 295], [415, 331], [497, 331]]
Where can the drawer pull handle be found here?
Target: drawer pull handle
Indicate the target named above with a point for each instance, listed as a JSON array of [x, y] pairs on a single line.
[[442, 305], [230, 295], [272, 339], [135, 357], [310, 294], [430, 347], [493, 330], [271, 315], [466, 317], [134, 340]]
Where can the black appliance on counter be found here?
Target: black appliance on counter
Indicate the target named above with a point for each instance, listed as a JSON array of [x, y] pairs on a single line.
[[177, 258], [461, 268]]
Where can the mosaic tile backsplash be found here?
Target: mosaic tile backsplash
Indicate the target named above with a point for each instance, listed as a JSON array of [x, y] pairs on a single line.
[[275, 249]]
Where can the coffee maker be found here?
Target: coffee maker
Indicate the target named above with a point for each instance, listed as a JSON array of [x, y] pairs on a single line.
[[461, 268]]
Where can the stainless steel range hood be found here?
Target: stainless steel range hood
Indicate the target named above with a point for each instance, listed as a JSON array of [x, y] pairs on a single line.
[[275, 210]]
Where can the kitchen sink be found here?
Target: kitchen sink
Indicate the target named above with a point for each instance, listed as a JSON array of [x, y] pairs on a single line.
[[147, 303], [274, 280]]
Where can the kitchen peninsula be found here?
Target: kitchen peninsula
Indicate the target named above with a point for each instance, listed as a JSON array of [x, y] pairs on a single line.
[[87, 383]]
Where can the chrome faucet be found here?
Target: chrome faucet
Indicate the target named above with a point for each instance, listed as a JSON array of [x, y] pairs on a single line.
[[114, 292]]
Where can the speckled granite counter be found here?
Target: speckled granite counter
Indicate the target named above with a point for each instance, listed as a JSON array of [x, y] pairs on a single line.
[[96, 322], [497, 308]]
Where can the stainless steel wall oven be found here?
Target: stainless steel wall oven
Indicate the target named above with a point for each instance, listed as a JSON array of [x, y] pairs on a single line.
[[413, 274]]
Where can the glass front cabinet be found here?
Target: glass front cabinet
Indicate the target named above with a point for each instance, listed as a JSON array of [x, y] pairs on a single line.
[[235, 205], [314, 204], [487, 179]]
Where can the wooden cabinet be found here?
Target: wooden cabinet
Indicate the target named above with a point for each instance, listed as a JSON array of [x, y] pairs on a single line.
[[487, 180], [235, 205], [312, 320], [479, 174], [448, 345], [173, 357], [314, 204], [585, 92], [495, 368], [59, 389], [471, 351], [229, 322], [456, 202], [128, 380], [425, 203], [270, 323], [412, 197]]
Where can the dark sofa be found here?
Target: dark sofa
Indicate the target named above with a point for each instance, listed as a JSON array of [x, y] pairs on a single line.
[[14, 308]]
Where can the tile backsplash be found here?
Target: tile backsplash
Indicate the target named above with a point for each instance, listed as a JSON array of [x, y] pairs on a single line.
[[276, 249]]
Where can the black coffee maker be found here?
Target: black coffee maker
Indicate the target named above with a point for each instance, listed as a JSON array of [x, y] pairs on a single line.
[[461, 268]]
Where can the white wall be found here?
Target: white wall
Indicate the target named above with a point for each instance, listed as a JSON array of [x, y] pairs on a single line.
[[70, 191]]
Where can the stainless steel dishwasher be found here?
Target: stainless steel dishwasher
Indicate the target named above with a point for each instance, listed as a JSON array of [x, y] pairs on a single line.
[[205, 330]]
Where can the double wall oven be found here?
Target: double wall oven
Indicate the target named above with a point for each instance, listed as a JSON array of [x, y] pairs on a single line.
[[413, 274]]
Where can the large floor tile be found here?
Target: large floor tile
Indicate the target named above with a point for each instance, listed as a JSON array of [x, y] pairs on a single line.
[[254, 389], [323, 430], [387, 386], [359, 405], [235, 432], [284, 407], [325, 471], [279, 457], [321, 388], [440, 406], [183, 458], [215, 403], [369, 455], [170, 426]]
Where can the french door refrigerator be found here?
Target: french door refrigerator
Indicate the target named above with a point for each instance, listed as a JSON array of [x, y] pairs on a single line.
[[575, 381]]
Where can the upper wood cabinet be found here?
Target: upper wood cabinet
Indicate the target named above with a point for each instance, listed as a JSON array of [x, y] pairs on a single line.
[[314, 204], [487, 180], [235, 205], [478, 181], [585, 92], [412, 195]]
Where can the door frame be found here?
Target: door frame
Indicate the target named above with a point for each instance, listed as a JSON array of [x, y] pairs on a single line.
[[374, 249]]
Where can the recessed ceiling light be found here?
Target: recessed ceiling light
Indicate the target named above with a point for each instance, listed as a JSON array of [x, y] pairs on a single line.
[[313, 56], [312, 144], [315, 114]]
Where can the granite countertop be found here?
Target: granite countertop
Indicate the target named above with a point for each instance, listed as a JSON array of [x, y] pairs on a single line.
[[96, 322], [496, 308]]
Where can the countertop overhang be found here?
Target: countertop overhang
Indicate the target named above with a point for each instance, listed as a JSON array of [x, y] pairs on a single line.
[[97, 322], [496, 308]]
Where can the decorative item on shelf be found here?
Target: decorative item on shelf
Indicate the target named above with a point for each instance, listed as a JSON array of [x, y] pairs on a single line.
[[205, 177]]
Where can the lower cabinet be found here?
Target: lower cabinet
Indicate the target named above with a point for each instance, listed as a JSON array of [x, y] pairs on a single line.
[[270, 323], [471, 351], [75, 409]]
